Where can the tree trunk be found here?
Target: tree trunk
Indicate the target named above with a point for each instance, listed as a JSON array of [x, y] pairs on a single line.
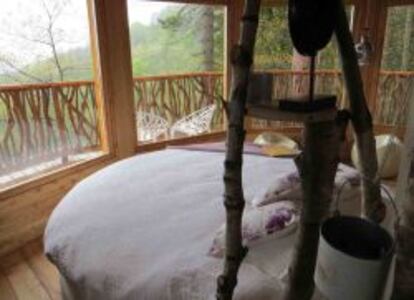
[[300, 82], [242, 58], [317, 166], [361, 118], [404, 269], [207, 37]]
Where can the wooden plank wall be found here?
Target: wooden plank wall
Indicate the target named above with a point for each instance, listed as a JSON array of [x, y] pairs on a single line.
[[24, 213]]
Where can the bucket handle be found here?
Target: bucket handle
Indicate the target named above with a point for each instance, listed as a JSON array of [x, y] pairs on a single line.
[[385, 190]]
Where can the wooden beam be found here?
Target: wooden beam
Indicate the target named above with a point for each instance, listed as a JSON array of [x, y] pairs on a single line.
[[113, 74]]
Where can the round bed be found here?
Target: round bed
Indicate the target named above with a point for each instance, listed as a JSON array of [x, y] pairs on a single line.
[[141, 229]]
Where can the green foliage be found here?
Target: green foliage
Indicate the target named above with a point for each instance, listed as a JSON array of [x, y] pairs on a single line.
[[273, 46], [396, 44], [173, 44]]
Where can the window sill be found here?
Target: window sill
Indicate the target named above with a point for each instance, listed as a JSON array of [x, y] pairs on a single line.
[[159, 145], [50, 176]]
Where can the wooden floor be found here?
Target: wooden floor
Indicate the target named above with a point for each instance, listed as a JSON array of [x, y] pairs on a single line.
[[28, 275]]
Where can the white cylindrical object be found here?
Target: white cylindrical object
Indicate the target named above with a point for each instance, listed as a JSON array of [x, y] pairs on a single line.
[[352, 273]]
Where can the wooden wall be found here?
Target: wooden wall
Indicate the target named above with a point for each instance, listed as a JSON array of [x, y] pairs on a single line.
[[24, 212]]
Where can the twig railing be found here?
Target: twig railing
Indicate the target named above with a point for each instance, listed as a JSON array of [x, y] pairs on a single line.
[[41, 122], [173, 97], [287, 83], [395, 90]]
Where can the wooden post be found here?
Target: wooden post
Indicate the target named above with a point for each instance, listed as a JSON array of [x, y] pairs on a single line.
[[234, 13], [317, 166], [404, 267], [113, 75], [361, 118], [242, 58]]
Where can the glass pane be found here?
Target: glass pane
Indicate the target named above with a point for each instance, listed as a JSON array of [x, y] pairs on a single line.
[[274, 54], [396, 84], [177, 54], [47, 99]]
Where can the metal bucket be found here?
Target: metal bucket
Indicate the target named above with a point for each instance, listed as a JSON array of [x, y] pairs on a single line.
[[354, 258]]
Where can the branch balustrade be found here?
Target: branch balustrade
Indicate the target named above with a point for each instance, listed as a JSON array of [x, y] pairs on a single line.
[[395, 91], [43, 122]]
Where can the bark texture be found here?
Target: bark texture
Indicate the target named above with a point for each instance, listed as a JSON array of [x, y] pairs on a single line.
[[373, 207], [317, 166], [242, 58]]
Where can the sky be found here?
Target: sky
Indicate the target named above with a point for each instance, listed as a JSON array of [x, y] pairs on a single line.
[[27, 18]]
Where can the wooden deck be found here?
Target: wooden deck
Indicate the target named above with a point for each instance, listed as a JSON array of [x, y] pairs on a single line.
[[28, 275]]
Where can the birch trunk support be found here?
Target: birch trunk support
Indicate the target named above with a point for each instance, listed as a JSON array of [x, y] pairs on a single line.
[[361, 119], [242, 58], [404, 268], [317, 166]]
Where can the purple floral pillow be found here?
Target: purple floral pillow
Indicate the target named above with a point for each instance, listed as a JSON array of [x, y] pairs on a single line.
[[289, 187], [284, 188], [260, 224]]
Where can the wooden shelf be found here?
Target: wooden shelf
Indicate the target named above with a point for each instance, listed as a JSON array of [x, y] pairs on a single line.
[[272, 112]]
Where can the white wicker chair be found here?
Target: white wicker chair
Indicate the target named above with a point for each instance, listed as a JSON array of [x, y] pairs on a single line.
[[195, 123], [150, 126]]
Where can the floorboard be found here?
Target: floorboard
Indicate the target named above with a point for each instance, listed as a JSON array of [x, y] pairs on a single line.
[[27, 275]]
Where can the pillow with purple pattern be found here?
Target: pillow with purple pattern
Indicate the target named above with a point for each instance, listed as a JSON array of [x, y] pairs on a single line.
[[260, 224], [289, 187]]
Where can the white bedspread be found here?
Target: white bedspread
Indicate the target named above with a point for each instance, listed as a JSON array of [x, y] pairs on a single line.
[[141, 228]]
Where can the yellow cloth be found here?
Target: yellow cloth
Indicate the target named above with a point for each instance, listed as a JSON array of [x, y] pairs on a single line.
[[276, 150]]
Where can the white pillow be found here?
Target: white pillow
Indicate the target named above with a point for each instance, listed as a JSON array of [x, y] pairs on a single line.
[[259, 225], [289, 187]]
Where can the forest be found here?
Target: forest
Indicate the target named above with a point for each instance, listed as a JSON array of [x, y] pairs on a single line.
[[190, 38]]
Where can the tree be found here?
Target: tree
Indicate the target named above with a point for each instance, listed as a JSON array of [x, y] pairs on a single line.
[[204, 24], [398, 45], [42, 31]]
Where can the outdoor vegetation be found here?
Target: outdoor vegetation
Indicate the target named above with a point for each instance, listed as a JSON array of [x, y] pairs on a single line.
[[181, 38]]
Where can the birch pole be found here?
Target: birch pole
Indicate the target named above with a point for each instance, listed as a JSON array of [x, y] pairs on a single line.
[[404, 267], [361, 118], [241, 59], [317, 167]]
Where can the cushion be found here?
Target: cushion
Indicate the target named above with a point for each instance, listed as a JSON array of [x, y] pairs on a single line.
[[279, 151], [289, 187], [275, 139], [389, 152], [259, 225]]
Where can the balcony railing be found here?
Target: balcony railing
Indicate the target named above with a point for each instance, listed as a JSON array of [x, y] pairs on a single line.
[[395, 91], [287, 83], [43, 122]]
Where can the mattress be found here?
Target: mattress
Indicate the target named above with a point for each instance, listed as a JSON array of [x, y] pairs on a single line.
[[141, 229]]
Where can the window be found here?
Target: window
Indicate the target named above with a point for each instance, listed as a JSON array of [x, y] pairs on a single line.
[[48, 114], [396, 81], [275, 54], [177, 55]]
